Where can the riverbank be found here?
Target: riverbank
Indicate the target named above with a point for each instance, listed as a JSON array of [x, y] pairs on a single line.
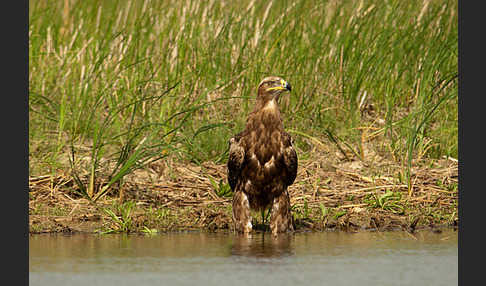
[[130, 116], [345, 196]]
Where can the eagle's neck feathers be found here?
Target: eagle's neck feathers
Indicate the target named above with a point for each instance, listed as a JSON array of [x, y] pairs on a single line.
[[265, 114], [271, 106]]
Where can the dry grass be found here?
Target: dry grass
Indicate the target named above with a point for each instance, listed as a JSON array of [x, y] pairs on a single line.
[[345, 188]]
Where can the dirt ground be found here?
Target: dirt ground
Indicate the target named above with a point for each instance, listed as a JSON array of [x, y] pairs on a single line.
[[169, 196]]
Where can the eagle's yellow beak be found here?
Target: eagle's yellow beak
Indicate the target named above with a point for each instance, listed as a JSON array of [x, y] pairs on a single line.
[[283, 86]]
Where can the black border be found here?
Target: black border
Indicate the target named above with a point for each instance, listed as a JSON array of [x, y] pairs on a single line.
[[15, 141], [471, 120]]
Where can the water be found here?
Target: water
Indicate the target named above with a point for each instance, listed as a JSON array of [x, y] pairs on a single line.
[[365, 258]]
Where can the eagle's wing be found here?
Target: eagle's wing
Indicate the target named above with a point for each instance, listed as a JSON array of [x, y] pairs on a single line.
[[235, 160], [290, 159]]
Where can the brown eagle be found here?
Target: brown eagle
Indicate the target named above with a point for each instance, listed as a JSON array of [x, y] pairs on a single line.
[[262, 162]]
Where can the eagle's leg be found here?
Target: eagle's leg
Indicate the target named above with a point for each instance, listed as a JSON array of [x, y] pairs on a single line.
[[241, 212], [281, 218]]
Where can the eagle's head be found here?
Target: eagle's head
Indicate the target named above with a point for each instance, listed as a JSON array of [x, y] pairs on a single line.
[[271, 87]]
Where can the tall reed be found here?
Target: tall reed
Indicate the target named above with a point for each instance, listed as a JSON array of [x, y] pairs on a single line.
[[118, 83]]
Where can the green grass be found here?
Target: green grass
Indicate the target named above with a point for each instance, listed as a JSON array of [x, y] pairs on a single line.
[[120, 217], [390, 201], [114, 85], [222, 189]]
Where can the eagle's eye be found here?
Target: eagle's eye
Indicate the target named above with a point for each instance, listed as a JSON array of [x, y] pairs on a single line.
[[272, 83]]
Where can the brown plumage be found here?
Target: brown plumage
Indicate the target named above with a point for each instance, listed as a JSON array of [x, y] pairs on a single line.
[[262, 162]]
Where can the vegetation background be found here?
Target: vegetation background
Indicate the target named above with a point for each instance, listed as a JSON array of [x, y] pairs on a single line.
[[117, 85]]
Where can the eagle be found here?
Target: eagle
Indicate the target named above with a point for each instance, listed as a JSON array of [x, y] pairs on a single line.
[[262, 162]]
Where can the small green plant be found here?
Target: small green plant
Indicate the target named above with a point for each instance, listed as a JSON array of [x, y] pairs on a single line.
[[222, 189], [120, 215], [265, 216], [157, 217], [58, 211], [149, 231], [303, 212], [451, 218], [36, 210], [158, 214], [452, 187], [324, 211], [388, 201], [339, 214], [306, 210], [35, 228]]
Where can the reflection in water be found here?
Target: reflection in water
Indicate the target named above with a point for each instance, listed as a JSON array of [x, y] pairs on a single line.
[[262, 245], [367, 258]]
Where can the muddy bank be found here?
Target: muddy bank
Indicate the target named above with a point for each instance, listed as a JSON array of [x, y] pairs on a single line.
[[349, 196]]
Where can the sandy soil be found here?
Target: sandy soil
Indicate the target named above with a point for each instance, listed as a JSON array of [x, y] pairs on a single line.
[[169, 196]]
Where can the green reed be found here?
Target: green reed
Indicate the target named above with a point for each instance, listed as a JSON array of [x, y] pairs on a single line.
[[114, 85]]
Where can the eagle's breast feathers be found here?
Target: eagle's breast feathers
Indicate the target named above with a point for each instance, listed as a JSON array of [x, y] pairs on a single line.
[[262, 162]]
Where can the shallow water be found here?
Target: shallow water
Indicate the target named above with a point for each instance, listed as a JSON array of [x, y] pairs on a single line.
[[328, 258]]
